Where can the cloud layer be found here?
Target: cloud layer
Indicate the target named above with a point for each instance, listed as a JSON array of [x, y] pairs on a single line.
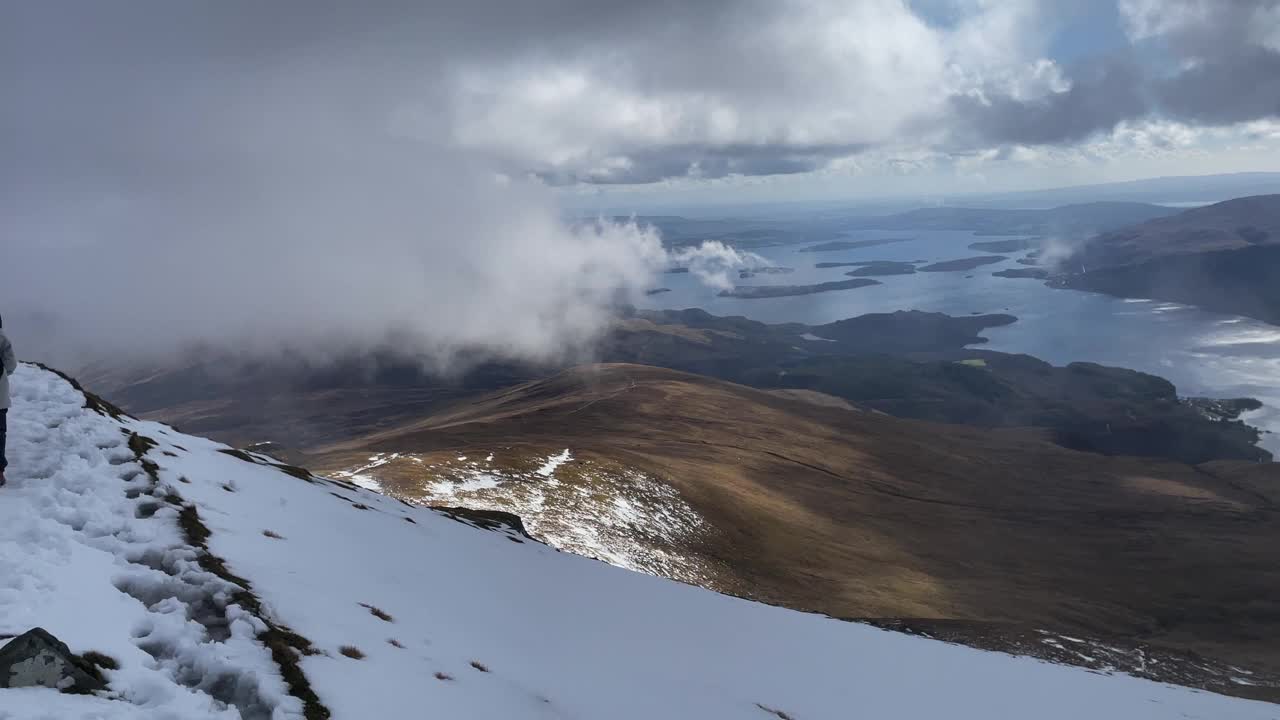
[[254, 182], [327, 175], [792, 86]]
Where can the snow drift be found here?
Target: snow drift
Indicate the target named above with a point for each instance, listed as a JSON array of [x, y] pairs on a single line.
[[227, 586]]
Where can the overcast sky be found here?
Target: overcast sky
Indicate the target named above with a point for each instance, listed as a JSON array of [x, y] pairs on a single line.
[[589, 93], [206, 133]]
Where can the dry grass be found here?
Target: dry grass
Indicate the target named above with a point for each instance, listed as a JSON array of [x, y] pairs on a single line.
[[101, 660], [778, 713], [444, 676], [479, 666], [272, 535], [394, 643], [352, 652], [383, 616]]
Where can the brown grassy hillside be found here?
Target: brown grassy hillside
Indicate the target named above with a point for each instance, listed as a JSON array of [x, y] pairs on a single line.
[[858, 514]]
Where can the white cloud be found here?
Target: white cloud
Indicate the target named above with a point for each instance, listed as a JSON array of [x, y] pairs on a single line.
[[1149, 18], [1265, 26], [1263, 129], [817, 77]]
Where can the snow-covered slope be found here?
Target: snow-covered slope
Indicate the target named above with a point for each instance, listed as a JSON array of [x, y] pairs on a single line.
[[146, 561]]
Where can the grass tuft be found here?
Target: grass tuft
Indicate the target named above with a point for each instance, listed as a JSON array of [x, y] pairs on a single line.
[[444, 676], [479, 666], [102, 661], [141, 445], [273, 535], [383, 616], [351, 652], [777, 713]]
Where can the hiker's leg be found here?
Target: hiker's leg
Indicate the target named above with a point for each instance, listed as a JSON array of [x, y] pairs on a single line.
[[4, 433]]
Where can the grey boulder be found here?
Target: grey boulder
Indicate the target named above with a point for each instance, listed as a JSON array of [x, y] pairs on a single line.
[[38, 659]]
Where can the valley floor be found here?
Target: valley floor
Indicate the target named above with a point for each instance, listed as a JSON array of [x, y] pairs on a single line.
[[226, 586]]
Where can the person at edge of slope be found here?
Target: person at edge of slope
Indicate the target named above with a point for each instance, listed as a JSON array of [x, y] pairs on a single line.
[[10, 363]]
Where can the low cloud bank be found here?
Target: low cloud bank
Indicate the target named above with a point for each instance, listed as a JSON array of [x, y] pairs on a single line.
[[715, 263], [426, 255]]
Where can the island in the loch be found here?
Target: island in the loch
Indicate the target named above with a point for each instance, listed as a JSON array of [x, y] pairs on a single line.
[[861, 263], [853, 244], [963, 264], [1033, 273], [885, 267], [752, 272], [755, 292]]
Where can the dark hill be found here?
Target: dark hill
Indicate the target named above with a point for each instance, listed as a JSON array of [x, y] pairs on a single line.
[[1223, 257], [912, 364]]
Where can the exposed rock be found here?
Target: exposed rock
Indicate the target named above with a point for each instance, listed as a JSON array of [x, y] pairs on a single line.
[[496, 520], [38, 659]]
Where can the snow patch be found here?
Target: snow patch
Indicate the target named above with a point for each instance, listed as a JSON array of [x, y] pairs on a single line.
[[445, 490], [554, 462], [359, 476]]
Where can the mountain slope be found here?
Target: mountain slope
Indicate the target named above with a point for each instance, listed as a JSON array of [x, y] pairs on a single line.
[[1223, 257], [203, 572], [855, 513], [1232, 225]]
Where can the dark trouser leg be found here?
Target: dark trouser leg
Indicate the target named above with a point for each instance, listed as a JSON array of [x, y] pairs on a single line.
[[4, 436]]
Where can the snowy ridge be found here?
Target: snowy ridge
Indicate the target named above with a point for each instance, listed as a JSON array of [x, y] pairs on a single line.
[[409, 614], [89, 552]]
